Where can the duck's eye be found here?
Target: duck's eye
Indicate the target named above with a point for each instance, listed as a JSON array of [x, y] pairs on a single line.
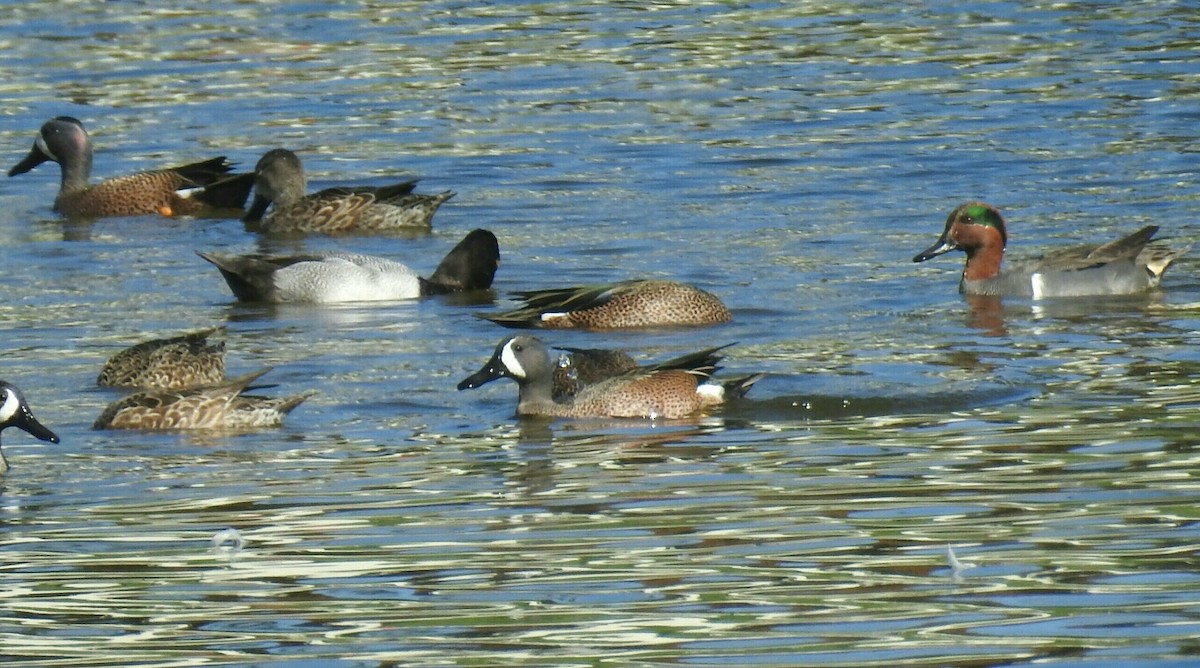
[[518, 347]]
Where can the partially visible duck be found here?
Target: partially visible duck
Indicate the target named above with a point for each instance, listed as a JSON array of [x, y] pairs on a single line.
[[14, 412], [330, 278], [279, 179], [1125, 266], [185, 190]]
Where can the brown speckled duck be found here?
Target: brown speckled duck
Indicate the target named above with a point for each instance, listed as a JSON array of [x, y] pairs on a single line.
[[672, 390], [174, 363], [279, 179], [624, 305], [185, 190], [221, 406]]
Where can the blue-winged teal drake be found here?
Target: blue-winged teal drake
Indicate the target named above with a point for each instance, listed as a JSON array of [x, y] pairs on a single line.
[[185, 190], [223, 406], [645, 392], [1125, 266], [624, 305], [279, 179], [14, 412], [174, 363], [330, 278]]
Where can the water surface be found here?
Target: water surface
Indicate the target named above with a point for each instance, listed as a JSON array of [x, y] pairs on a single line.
[[789, 157]]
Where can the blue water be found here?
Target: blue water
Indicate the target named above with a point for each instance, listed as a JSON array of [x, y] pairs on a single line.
[[790, 157]]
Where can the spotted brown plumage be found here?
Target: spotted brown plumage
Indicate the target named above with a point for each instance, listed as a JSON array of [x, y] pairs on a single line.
[[280, 183], [623, 305], [174, 363], [185, 190], [674, 389], [223, 406]]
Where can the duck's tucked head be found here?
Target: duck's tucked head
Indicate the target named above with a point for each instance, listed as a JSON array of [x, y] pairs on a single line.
[[60, 140], [517, 357], [972, 227]]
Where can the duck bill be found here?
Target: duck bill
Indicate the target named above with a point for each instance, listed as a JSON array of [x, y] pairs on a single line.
[[493, 370], [27, 422], [36, 157], [257, 209], [942, 246]]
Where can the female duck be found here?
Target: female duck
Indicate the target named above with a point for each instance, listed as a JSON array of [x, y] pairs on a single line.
[[279, 179]]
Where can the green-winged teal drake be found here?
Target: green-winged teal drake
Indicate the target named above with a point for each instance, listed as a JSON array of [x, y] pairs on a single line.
[[673, 390], [223, 406], [331, 278], [185, 190], [624, 305], [174, 363], [279, 179], [1125, 266], [14, 412]]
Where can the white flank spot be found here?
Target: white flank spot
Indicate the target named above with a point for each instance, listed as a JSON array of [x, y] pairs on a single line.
[[1038, 282], [509, 359], [553, 316], [11, 405], [711, 391], [187, 193]]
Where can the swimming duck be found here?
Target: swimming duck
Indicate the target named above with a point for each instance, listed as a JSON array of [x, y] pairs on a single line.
[[645, 392], [174, 363], [330, 278], [14, 412], [185, 190], [279, 178], [221, 406], [1125, 266], [622, 305]]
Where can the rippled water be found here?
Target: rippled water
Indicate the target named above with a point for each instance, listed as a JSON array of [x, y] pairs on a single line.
[[790, 157]]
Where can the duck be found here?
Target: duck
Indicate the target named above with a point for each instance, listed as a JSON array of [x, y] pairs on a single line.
[[651, 392], [173, 363], [337, 277], [15, 412], [223, 406], [630, 304], [577, 368], [279, 179], [200, 187], [1125, 266]]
